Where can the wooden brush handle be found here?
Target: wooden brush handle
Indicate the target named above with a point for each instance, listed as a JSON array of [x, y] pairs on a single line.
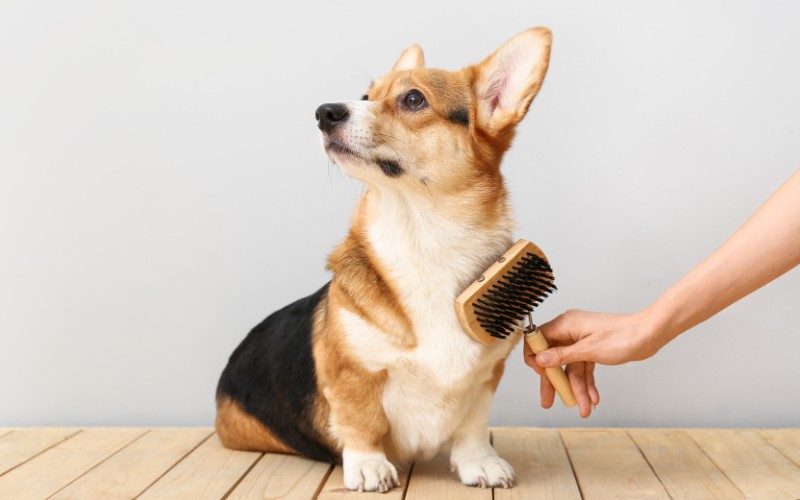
[[556, 375]]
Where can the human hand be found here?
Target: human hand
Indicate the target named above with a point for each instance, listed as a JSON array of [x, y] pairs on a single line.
[[580, 339]]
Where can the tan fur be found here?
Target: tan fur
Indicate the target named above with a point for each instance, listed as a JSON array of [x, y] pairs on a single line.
[[239, 430], [410, 58], [352, 392], [499, 369], [360, 284]]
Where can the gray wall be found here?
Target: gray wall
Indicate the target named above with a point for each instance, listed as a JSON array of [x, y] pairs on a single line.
[[162, 189]]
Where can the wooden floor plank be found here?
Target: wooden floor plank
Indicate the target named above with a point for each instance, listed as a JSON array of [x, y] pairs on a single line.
[[282, 476], [137, 466], [608, 464], [45, 474], [785, 440], [334, 489], [681, 466], [752, 464], [209, 472], [434, 480], [23, 444], [540, 463]]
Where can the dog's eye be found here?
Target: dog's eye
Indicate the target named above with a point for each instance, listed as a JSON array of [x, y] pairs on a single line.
[[414, 99], [365, 97]]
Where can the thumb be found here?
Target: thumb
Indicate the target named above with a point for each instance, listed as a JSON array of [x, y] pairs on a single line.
[[556, 356]]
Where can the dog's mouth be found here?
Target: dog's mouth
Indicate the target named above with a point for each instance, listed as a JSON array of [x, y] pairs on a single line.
[[340, 149]]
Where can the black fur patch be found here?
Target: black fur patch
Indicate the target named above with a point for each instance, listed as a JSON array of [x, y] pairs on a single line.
[[271, 375], [460, 116], [390, 167]]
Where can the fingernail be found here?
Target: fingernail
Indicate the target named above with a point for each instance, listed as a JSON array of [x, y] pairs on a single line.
[[544, 358]]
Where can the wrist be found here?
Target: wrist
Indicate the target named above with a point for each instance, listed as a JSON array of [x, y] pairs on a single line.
[[655, 327]]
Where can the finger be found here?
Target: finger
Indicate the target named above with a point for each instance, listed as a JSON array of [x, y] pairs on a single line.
[[559, 356], [529, 358], [594, 394], [576, 372], [546, 392], [562, 328]]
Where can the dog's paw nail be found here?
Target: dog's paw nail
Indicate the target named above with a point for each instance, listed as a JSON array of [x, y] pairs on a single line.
[[373, 473], [486, 472]]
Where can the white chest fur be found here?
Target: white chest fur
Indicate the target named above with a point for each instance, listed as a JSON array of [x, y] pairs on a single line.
[[431, 387]]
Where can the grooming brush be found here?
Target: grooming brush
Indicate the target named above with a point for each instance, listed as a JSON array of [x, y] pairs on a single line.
[[502, 300]]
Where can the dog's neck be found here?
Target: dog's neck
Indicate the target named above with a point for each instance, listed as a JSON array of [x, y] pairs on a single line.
[[438, 243]]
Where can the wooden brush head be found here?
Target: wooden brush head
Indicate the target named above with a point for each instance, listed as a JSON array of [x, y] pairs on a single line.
[[497, 303]]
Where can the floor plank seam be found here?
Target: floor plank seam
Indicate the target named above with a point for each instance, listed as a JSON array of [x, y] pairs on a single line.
[[323, 482], [493, 491], [42, 451], [100, 462], [241, 478], [160, 477], [777, 449], [647, 461], [491, 442], [716, 464], [571, 465], [408, 481]]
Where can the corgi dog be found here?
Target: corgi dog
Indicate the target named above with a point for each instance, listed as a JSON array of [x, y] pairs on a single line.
[[373, 371]]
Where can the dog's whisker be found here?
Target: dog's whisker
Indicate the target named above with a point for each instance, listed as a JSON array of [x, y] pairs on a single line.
[[366, 75], [381, 134]]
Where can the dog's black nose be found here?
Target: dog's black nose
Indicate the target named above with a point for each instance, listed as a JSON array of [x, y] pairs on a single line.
[[330, 115]]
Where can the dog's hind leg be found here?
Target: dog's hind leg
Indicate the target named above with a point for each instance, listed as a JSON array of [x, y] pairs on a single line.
[[239, 430]]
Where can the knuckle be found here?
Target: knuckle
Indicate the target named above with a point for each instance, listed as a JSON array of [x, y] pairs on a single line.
[[569, 319]]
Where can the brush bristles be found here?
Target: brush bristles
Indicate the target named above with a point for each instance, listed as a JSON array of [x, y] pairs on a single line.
[[507, 302]]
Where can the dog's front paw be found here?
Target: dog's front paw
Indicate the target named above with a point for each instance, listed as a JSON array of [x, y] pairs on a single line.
[[489, 471], [368, 472]]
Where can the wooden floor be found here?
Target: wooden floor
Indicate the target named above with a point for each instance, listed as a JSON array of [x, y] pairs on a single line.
[[550, 463]]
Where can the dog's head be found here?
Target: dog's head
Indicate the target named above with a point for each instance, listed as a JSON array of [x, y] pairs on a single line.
[[433, 130]]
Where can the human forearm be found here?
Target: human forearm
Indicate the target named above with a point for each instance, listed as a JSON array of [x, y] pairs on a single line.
[[765, 247]]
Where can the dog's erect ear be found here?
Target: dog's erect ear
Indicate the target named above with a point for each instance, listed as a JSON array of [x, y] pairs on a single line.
[[508, 80], [411, 58]]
